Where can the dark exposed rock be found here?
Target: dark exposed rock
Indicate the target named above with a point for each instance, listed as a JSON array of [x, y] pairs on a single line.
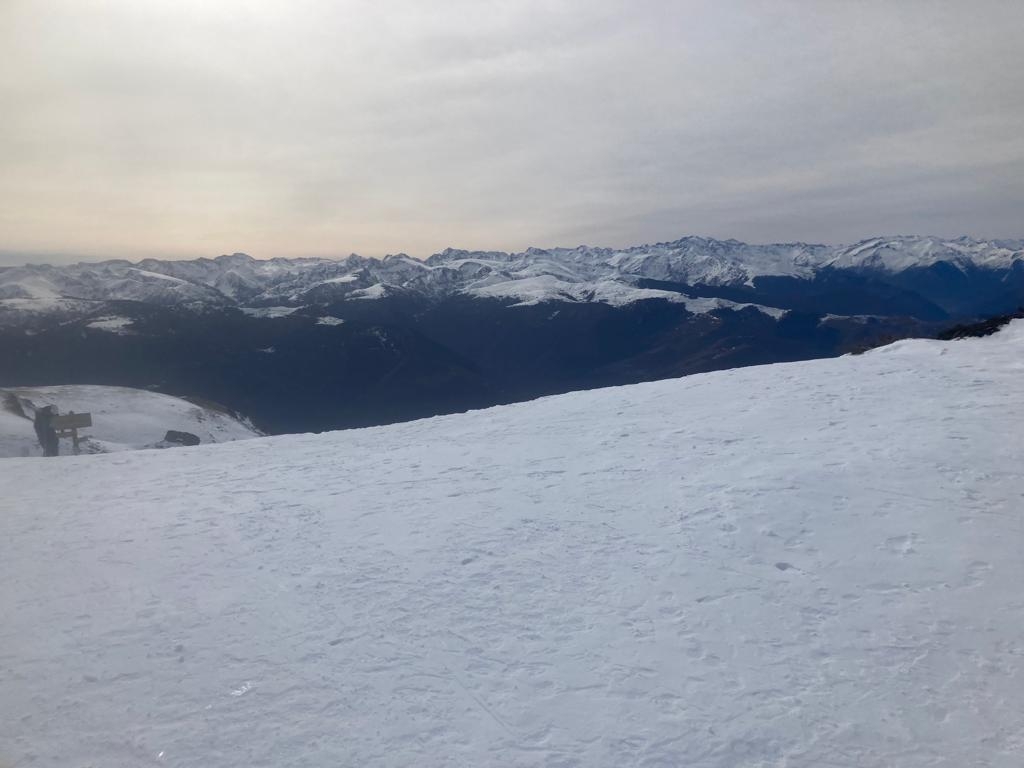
[[181, 438], [983, 328]]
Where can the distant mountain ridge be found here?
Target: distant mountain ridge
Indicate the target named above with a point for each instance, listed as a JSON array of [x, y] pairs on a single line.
[[607, 275], [314, 343]]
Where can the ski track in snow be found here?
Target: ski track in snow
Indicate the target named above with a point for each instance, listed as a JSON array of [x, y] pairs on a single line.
[[810, 564]]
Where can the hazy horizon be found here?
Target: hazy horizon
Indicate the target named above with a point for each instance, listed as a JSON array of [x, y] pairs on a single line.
[[9, 258], [183, 129]]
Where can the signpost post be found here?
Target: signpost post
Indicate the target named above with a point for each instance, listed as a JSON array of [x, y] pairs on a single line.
[[68, 424]]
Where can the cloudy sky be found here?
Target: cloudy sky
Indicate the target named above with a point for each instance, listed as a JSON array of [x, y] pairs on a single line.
[[185, 128]]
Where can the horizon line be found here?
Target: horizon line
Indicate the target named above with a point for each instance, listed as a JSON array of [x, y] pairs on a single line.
[[68, 259]]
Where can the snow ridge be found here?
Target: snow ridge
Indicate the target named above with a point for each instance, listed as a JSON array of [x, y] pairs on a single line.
[[123, 418]]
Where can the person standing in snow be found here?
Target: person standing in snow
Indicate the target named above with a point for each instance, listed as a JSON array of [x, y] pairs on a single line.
[[45, 432]]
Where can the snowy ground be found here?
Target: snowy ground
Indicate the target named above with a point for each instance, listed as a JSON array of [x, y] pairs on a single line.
[[813, 564], [123, 419]]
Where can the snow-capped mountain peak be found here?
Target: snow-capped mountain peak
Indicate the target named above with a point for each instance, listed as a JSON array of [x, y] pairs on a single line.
[[899, 253], [582, 273]]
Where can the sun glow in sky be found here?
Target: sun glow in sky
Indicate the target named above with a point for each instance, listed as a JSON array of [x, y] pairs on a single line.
[[174, 128]]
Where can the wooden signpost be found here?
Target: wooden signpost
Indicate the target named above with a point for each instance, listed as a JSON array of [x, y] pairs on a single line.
[[68, 424]]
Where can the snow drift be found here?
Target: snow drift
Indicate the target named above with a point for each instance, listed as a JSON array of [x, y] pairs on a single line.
[[806, 564]]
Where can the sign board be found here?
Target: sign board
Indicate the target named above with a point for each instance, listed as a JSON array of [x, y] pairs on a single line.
[[71, 421]]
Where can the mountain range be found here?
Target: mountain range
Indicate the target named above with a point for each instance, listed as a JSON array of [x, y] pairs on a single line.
[[314, 343]]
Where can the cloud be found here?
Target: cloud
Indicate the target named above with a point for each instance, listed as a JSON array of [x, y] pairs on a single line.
[[183, 128]]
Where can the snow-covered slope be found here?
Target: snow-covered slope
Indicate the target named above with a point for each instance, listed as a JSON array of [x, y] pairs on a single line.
[[123, 418], [810, 564]]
